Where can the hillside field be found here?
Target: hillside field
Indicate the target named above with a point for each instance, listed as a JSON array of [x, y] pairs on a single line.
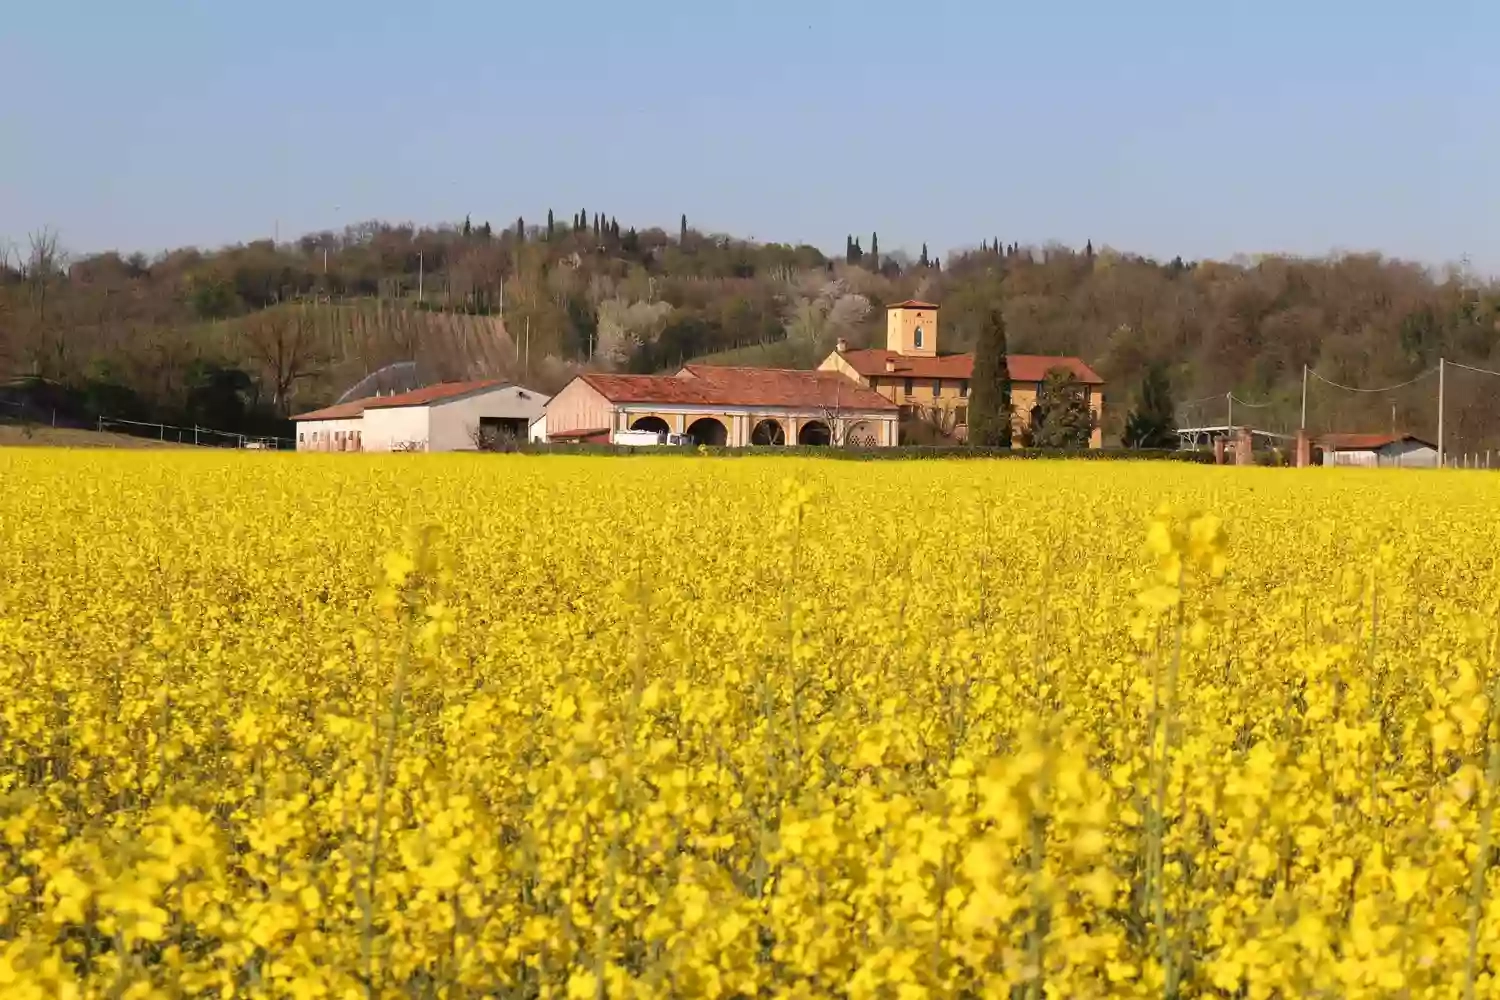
[[563, 726]]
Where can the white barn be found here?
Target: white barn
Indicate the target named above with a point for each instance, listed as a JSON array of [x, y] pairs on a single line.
[[449, 416], [1382, 450]]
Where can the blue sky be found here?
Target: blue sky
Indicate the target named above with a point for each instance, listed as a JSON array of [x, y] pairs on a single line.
[[1164, 127]]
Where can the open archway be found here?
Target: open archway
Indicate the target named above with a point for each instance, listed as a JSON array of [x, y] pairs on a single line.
[[653, 425], [768, 432], [814, 432], [707, 430]]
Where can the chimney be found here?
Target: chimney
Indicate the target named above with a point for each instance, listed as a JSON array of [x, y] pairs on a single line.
[[890, 364], [841, 345]]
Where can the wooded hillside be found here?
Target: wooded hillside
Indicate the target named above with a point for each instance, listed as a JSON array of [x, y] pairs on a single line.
[[246, 334]]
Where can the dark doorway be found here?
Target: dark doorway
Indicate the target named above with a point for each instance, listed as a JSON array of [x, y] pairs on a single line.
[[707, 430]]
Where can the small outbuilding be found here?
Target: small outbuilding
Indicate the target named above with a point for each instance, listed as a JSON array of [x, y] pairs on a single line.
[[1383, 450], [449, 416]]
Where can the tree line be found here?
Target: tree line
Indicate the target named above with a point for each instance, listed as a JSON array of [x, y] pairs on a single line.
[[286, 326]]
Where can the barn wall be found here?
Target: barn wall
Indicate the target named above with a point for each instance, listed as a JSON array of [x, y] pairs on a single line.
[[322, 435], [578, 407], [455, 421], [397, 427]]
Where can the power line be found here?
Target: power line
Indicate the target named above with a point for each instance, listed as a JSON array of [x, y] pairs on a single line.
[[1253, 406], [1482, 371], [1388, 388]]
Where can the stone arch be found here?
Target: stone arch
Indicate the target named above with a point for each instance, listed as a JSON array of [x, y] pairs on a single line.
[[651, 424], [768, 432], [814, 432], [709, 431]]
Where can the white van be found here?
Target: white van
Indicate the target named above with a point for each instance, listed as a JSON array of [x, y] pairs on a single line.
[[642, 439]]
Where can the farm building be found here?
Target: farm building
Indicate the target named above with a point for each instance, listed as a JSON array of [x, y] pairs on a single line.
[[1400, 450], [449, 416], [934, 387], [725, 406]]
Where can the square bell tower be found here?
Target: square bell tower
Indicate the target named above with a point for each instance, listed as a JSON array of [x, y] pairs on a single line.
[[911, 329]]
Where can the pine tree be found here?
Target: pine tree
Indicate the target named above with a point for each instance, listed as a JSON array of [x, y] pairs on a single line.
[[1152, 424], [1061, 417], [485, 232], [549, 224], [922, 261], [989, 387]]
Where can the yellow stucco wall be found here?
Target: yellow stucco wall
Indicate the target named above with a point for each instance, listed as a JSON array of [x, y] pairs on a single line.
[[900, 332]]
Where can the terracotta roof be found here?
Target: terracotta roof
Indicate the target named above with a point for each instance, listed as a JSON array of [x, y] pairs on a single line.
[[1365, 442], [339, 411], [912, 304], [711, 385], [1023, 367], [581, 434], [416, 397], [433, 393]]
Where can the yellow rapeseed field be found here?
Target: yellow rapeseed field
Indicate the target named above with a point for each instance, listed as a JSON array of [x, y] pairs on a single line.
[[452, 726]]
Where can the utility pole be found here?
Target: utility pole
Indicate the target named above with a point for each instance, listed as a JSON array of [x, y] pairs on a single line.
[[1229, 400], [1442, 371], [1304, 397]]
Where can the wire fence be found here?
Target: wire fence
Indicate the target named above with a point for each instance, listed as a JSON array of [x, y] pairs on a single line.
[[203, 437]]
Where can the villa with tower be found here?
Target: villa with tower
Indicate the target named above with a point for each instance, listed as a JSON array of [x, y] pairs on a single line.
[[854, 397], [924, 384]]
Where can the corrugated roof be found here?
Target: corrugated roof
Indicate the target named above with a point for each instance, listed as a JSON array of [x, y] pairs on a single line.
[[340, 411], [417, 397], [912, 304], [1365, 442], [1022, 367], [434, 393], [712, 385]]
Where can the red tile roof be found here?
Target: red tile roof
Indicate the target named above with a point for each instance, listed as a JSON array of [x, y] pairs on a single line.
[[1023, 367], [416, 397], [1365, 442], [590, 434], [339, 411], [712, 385], [912, 304], [434, 393]]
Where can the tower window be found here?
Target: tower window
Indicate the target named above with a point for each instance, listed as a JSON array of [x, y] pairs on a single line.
[[937, 388], [917, 337], [963, 388], [909, 386]]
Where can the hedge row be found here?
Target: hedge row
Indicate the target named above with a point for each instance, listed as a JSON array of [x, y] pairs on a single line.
[[902, 453]]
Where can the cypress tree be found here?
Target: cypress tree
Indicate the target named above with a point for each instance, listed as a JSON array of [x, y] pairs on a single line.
[[989, 388], [583, 219], [468, 229], [549, 224], [1088, 249], [1152, 424], [874, 251], [922, 261], [520, 230], [682, 231]]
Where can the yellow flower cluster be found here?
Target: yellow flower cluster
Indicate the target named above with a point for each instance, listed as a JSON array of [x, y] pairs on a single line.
[[353, 726]]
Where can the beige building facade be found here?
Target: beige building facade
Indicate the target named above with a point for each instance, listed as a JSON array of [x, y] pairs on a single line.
[[934, 387]]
